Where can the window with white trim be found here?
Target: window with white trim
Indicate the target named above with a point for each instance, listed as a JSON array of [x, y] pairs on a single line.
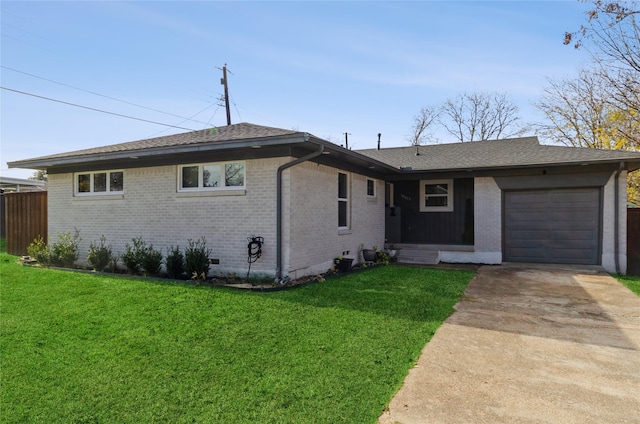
[[343, 201], [99, 183], [436, 196], [371, 188], [211, 176]]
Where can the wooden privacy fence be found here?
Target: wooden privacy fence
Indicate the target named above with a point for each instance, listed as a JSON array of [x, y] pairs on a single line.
[[25, 219], [633, 241], [3, 227]]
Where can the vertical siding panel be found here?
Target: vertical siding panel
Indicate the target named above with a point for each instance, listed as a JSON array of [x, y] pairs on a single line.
[[436, 227]]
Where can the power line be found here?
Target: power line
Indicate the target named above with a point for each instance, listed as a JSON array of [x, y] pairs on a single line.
[[237, 111], [94, 109], [101, 95], [181, 122]]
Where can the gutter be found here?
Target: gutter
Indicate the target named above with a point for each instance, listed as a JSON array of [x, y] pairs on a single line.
[[279, 206], [616, 220]]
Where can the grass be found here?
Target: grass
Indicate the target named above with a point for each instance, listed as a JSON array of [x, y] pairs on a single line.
[[79, 347], [632, 282]]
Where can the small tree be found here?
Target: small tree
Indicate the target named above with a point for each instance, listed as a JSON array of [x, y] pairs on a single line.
[[64, 252], [132, 256], [39, 250], [151, 260], [100, 255], [40, 175]]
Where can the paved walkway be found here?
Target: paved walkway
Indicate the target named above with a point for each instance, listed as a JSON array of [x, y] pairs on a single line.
[[530, 345]]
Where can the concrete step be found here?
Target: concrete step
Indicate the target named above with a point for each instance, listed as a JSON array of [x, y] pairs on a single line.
[[418, 261], [417, 256]]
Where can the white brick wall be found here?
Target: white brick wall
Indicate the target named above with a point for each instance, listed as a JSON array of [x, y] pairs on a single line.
[[314, 218], [152, 208], [608, 224]]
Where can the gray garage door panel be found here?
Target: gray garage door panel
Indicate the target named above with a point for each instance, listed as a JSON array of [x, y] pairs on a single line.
[[553, 226]]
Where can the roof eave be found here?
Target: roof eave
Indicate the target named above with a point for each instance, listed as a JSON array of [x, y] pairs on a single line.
[[47, 162], [338, 153], [631, 164], [354, 156]]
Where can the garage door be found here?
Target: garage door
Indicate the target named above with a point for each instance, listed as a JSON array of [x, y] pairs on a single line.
[[552, 226]]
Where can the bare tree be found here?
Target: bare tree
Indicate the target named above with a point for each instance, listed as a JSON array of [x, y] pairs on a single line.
[[577, 111], [421, 122], [612, 27], [601, 107], [612, 35], [480, 116]]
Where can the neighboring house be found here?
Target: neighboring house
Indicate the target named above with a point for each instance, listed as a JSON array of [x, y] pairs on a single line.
[[312, 201], [18, 185]]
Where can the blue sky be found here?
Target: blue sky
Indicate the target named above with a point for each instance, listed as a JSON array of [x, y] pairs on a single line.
[[322, 67]]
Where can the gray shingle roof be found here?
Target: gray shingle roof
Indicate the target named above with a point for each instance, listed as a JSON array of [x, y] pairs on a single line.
[[227, 134], [492, 154]]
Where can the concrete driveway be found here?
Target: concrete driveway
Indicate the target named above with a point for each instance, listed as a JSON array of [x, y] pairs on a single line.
[[530, 345]]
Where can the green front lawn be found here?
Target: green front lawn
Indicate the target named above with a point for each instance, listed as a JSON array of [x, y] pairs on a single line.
[[79, 347], [632, 282]]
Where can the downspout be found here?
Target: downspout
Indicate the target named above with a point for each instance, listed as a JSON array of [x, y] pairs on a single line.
[[616, 208], [279, 206]]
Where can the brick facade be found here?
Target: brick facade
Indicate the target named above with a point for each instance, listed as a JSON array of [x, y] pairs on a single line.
[[313, 236], [152, 208]]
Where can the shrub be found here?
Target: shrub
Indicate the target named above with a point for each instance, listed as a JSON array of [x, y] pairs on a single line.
[[39, 250], [132, 256], [100, 255], [382, 258], [196, 257], [174, 262], [151, 260], [64, 252]]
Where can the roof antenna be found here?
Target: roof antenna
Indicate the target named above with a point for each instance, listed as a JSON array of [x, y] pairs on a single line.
[[417, 150], [379, 135], [346, 140]]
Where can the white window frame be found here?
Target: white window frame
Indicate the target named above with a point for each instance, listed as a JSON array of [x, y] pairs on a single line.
[[373, 182], [201, 187], [448, 195], [344, 200], [92, 191]]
